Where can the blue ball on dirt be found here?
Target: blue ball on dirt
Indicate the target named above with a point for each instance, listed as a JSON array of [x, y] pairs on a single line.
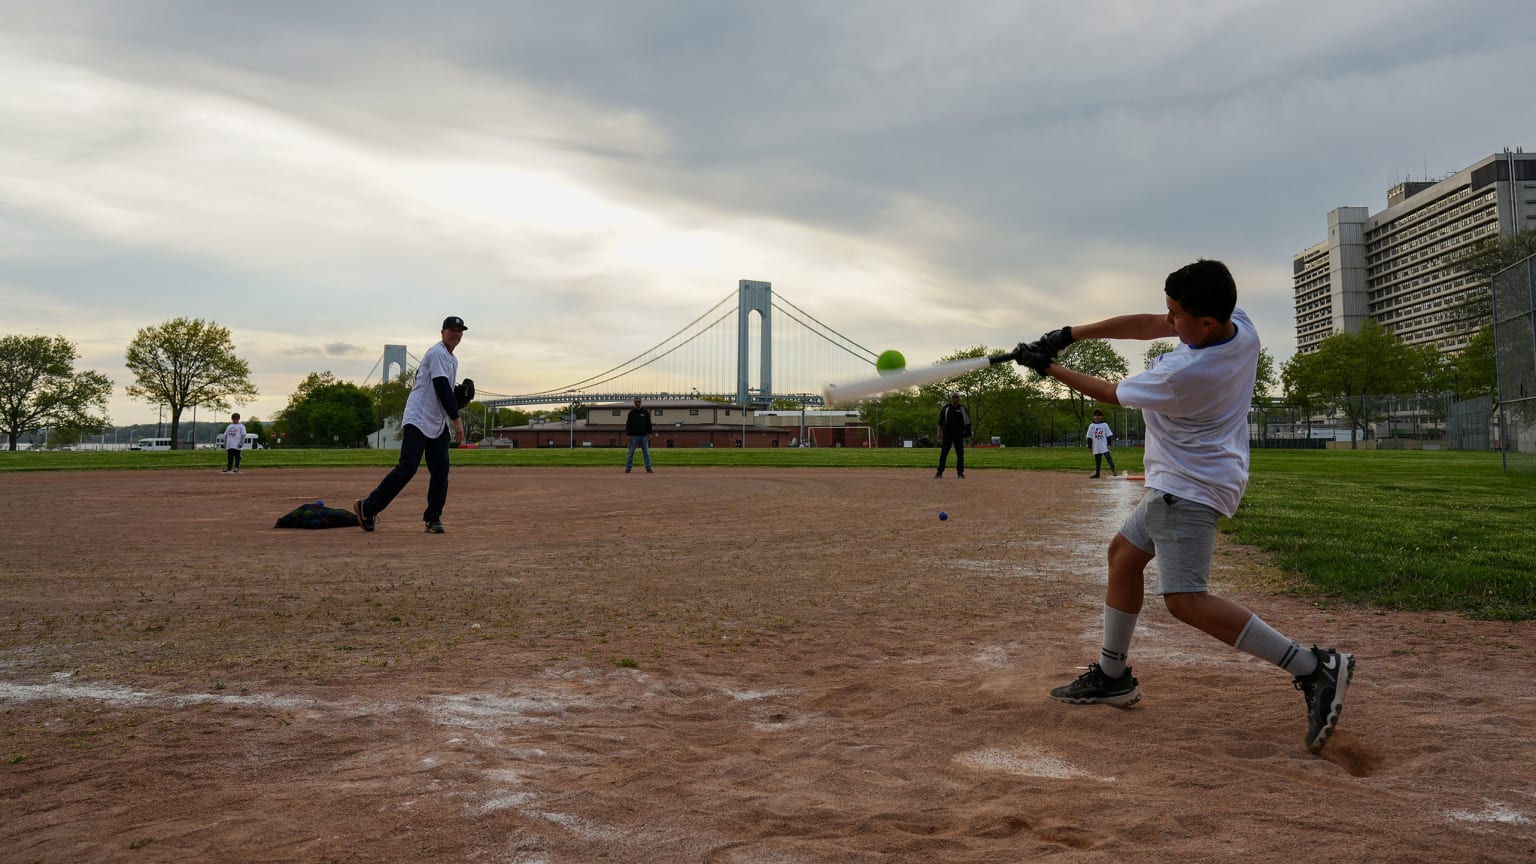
[[943, 517]]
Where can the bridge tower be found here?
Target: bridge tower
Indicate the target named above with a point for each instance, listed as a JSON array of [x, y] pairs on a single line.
[[394, 362], [754, 297]]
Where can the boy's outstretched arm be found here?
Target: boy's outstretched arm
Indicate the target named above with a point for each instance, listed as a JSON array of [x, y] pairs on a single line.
[[1145, 327], [1091, 386]]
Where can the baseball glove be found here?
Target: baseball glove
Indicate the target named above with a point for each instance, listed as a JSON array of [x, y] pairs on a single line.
[[465, 392]]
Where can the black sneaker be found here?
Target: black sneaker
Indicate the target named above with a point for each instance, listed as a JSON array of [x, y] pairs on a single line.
[[434, 526], [626, 470], [363, 519], [1095, 688], [1324, 690]]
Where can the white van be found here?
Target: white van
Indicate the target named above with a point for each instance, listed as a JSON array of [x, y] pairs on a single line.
[[252, 442], [151, 444]]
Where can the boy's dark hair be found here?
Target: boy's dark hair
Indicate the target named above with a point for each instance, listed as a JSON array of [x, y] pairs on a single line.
[[1205, 289]]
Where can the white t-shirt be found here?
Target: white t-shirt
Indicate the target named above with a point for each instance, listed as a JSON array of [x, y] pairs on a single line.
[[234, 436], [422, 408], [1099, 435], [1195, 402]]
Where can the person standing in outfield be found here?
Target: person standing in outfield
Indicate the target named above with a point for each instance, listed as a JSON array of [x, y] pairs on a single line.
[[1195, 400], [424, 430], [954, 428], [1098, 436], [234, 444], [638, 427]]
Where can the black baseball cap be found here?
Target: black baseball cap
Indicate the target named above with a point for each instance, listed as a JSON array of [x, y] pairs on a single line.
[[454, 322]]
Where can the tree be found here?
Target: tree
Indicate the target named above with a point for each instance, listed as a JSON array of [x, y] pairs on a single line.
[[1474, 372], [981, 391], [1156, 350], [996, 398], [389, 396], [186, 362], [1265, 377], [39, 387], [1483, 260], [1348, 367], [900, 416], [1302, 388], [1091, 357], [511, 417], [324, 411]]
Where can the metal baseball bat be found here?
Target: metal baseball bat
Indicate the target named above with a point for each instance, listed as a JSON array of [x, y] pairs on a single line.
[[850, 392]]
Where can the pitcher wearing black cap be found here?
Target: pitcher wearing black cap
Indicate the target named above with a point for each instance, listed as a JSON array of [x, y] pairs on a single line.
[[424, 430]]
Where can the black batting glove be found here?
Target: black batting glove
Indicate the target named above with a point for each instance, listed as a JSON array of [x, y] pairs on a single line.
[[1056, 341], [1031, 356]]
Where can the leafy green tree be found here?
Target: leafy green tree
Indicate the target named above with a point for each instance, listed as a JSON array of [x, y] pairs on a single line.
[[1266, 377], [324, 411], [1349, 367], [1092, 357], [983, 391], [995, 396], [389, 396], [39, 387], [1302, 388], [1155, 350], [1473, 371], [511, 417], [186, 362], [900, 416]]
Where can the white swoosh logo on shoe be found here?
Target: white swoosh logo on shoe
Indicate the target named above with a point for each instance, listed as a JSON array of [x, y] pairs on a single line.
[[1332, 662]]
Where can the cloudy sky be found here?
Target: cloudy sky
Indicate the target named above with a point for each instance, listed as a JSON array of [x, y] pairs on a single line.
[[579, 179]]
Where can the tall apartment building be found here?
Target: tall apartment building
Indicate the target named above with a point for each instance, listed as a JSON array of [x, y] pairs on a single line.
[[1392, 266]]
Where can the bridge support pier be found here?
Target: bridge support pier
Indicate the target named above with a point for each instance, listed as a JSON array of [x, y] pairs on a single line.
[[752, 297]]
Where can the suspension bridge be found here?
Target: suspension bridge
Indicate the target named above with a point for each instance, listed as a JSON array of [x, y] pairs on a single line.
[[752, 348]]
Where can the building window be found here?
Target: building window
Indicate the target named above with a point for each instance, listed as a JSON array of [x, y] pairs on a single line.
[[615, 413], [694, 412], [658, 412]]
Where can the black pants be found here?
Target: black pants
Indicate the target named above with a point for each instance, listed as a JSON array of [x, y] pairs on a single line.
[[1100, 456], [232, 458], [958, 443], [413, 444]]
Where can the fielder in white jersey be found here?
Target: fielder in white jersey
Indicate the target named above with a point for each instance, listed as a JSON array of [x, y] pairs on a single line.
[[1195, 402], [1098, 436], [234, 444]]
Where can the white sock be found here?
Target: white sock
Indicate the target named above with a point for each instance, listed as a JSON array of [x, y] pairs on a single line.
[[1267, 643], [1119, 627]]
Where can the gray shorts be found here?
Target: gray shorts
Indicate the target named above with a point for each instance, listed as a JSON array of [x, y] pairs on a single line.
[[1181, 534]]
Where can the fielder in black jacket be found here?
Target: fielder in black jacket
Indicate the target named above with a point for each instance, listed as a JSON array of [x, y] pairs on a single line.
[[954, 430], [638, 427]]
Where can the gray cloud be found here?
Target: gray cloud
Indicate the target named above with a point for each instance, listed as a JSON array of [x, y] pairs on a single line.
[[330, 177]]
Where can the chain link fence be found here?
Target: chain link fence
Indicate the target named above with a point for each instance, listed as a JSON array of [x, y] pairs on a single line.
[[1514, 332]]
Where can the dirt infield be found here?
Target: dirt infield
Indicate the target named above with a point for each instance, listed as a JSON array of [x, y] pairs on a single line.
[[706, 665]]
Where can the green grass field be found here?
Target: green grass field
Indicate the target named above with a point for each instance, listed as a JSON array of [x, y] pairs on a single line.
[[1399, 530]]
